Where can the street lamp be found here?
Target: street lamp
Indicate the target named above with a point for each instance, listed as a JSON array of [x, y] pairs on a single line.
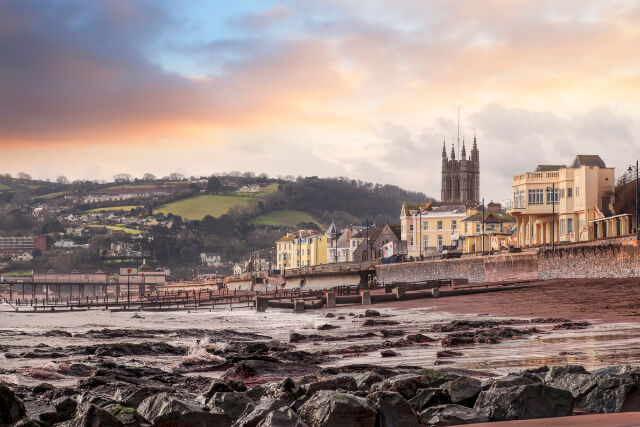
[[630, 169]]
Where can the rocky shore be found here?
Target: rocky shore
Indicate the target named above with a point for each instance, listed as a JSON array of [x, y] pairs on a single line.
[[305, 374]]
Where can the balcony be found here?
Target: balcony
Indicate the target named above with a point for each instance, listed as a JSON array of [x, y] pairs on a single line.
[[535, 177]]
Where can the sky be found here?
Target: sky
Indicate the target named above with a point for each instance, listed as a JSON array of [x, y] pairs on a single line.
[[364, 89]]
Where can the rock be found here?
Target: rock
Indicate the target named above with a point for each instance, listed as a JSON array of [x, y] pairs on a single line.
[[223, 385], [389, 353], [134, 349], [448, 415], [572, 325], [394, 410], [572, 378], [378, 322], [132, 396], [511, 380], [419, 338], [427, 397], [241, 370], [388, 333], [343, 382], [48, 418], [90, 415], [329, 408], [11, 406], [340, 317], [326, 327], [42, 388], [612, 394], [329, 315], [371, 313], [126, 415], [365, 380], [284, 390], [449, 353], [232, 403], [65, 408], [166, 410], [463, 391], [524, 402], [282, 418], [256, 392], [405, 384], [253, 416]]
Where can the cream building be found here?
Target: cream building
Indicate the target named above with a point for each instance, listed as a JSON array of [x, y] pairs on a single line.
[[307, 248], [428, 227], [583, 192]]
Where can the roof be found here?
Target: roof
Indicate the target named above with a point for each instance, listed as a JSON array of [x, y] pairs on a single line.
[[490, 217], [587, 160], [407, 207], [332, 229], [288, 238], [549, 168]]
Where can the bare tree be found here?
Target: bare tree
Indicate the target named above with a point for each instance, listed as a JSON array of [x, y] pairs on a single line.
[[23, 175], [122, 177], [176, 176], [62, 180], [148, 177]]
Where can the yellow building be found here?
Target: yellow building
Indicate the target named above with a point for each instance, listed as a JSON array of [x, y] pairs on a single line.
[[307, 248], [429, 226], [582, 192], [285, 251]]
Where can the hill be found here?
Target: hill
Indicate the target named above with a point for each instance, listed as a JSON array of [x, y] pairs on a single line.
[[285, 218], [197, 207]]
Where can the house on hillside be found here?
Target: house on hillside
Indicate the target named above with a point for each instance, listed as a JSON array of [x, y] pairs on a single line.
[[210, 259]]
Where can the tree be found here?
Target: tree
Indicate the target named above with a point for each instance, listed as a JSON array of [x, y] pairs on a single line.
[[62, 180], [213, 185], [122, 177], [23, 175], [148, 177], [176, 176]]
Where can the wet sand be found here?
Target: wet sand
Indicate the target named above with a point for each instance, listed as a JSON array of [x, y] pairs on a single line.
[[606, 300]]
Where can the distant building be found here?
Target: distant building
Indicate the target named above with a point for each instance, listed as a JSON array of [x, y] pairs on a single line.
[[210, 260], [461, 178], [20, 245], [428, 227], [24, 257], [339, 243], [237, 270], [583, 192], [372, 240], [284, 252]]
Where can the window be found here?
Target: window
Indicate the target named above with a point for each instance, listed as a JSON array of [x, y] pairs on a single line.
[[466, 227], [410, 227], [425, 225], [411, 241], [569, 192], [439, 225], [308, 251], [562, 193], [454, 224], [522, 198], [426, 241], [536, 196], [577, 191], [570, 225], [477, 227], [552, 196], [439, 241]]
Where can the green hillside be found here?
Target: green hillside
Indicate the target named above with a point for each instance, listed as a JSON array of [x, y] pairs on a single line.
[[198, 207], [284, 218]]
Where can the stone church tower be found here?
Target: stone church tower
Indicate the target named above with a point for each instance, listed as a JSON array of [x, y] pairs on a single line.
[[461, 178]]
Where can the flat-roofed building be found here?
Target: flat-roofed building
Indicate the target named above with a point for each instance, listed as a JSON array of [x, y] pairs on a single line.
[[583, 191], [20, 245]]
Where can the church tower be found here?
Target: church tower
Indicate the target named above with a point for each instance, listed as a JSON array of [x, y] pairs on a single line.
[[461, 177]]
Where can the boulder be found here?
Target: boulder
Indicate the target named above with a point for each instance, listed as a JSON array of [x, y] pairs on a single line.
[[448, 415], [612, 394], [126, 415], [427, 397], [164, 409], [132, 396], [572, 378], [343, 382], [253, 416], [371, 313], [326, 327], [405, 384], [510, 380], [463, 391], [65, 407], [232, 403], [89, 415], [223, 385], [394, 410], [524, 402], [389, 353], [282, 418], [365, 380], [285, 390], [11, 406], [329, 408]]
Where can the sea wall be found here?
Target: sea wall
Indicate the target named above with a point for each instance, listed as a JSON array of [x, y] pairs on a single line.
[[613, 258]]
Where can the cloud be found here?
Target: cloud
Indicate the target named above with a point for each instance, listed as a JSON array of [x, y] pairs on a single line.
[[261, 20]]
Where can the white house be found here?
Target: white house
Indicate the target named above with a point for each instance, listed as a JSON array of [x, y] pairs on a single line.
[[211, 260]]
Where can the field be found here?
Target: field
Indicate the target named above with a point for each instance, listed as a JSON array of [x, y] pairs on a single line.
[[116, 228], [4, 187], [113, 208], [286, 218], [51, 195], [198, 207]]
